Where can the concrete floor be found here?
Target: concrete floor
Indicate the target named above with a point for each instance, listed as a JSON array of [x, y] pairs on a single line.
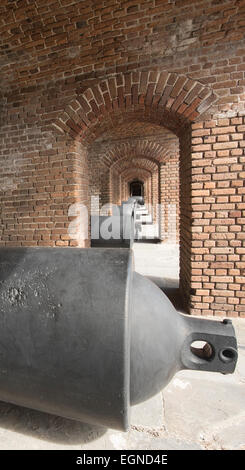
[[197, 410]]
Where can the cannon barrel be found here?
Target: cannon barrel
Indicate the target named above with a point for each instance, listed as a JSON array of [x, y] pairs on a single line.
[[83, 336], [122, 225]]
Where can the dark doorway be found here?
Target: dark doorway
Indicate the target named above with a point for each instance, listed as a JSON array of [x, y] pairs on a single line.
[[136, 188]]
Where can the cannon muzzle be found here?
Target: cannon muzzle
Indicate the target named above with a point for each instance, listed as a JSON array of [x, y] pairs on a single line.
[[83, 336]]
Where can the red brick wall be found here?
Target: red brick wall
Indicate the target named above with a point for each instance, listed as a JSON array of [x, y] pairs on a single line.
[[40, 179], [115, 178], [99, 180], [47, 40], [72, 72], [169, 199], [218, 216], [114, 161], [186, 230]]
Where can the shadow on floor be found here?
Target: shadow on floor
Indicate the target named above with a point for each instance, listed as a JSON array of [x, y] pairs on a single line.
[[170, 287], [147, 240], [47, 427]]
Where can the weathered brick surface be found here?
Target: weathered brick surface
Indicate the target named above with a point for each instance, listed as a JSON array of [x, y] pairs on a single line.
[[169, 198], [217, 221], [38, 187]]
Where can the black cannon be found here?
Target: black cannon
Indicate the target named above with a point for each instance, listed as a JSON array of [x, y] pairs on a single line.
[[139, 200], [84, 336], [118, 229]]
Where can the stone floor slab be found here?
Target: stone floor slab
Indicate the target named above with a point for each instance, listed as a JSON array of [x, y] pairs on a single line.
[[149, 413]]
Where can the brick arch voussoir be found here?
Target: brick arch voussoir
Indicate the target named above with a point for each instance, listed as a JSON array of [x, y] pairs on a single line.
[[138, 148], [135, 172], [139, 161], [159, 92]]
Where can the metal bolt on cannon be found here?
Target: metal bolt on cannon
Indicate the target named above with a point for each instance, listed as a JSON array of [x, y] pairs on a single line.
[[83, 336]]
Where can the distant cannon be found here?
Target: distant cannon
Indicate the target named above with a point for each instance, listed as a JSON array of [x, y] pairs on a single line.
[[117, 230], [138, 199]]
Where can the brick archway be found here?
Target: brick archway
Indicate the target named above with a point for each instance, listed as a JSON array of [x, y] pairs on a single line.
[[167, 98], [70, 78], [144, 148], [172, 64], [137, 173], [137, 161], [158, 98]]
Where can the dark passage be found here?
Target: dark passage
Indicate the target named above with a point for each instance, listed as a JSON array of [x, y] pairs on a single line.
[[136, 188]]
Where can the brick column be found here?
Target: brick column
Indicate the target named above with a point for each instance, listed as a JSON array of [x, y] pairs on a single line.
[[115, 187], [155, 193], [185, 217], [218, 218], [169, 200]]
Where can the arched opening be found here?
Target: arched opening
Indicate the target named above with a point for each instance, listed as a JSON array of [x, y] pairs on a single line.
[[136, 188], [142, 156], [153, 111]]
